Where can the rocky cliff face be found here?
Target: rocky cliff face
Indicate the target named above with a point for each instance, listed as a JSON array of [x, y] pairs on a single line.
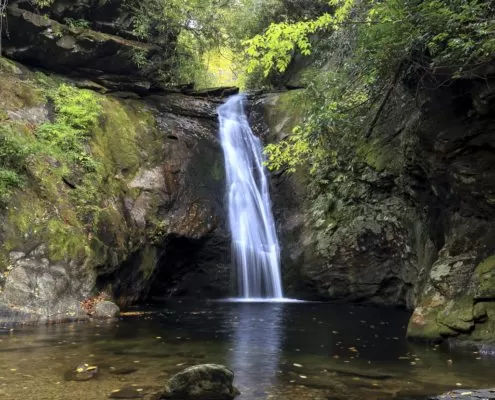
[[87, 39], [410, 217], [148, 221], [160, 229]]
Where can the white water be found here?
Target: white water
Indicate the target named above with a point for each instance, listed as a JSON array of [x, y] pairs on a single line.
[[255, 249]]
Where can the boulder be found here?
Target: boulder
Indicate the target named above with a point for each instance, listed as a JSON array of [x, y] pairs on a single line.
[[106, 309], [48, 291], [202, 382]]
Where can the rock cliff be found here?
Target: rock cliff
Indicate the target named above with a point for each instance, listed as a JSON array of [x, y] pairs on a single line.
[[87, 39], [409, 217], [156, 225]]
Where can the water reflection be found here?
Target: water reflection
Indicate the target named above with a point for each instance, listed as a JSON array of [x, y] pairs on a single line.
[[257, 345]]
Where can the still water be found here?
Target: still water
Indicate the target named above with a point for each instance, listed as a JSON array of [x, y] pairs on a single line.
[[289, 351]]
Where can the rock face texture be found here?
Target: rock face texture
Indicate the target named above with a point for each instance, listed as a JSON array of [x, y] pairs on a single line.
[[160, 229], [85, 38], [409, 217]]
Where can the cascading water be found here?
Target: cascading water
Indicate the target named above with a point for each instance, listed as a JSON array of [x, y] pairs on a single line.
[[255, 249]]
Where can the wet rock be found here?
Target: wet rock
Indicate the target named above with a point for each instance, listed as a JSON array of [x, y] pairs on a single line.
[[106, 309], [83, 372], [202, 382], [467, 394]]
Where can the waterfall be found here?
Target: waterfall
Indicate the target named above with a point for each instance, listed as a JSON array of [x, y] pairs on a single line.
[[255, 249]]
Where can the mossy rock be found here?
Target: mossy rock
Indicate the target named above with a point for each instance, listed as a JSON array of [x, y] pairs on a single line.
[[284, 111], [458, 315], [484, 331], [423, 324], [379, 155], [485, 273], [430, 331]]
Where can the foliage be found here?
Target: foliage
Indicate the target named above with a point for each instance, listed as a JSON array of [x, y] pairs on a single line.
[[189, 32], [275, 47], [366, 47], [182, 30], [14, 149], [362, 53], [77, 23], [76, 113], [457, 32]]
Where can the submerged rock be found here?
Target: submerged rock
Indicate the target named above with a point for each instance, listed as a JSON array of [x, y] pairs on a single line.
[[83, 372], [202, 382]]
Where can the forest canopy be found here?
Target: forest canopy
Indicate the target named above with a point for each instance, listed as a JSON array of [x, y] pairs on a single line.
[[209, 35]]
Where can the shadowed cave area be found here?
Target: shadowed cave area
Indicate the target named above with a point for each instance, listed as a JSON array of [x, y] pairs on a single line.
[[178, 267]]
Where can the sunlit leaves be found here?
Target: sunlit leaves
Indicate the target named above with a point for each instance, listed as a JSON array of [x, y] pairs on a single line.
[[274, 49]]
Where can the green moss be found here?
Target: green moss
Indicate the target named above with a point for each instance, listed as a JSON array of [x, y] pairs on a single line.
[[75, 172], [284, 112], [34, 220], [115, 139], [425, 327], [17, 94], [485, 273], [378, 155], [485, 330], [157, 231], [9, 66], [486, 266], [458, 314]]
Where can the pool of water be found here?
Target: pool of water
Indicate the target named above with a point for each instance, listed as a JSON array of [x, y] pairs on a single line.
[[290, 351]]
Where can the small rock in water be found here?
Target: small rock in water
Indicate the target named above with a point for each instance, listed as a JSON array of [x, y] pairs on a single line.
[[83, 372], [106, 309]]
